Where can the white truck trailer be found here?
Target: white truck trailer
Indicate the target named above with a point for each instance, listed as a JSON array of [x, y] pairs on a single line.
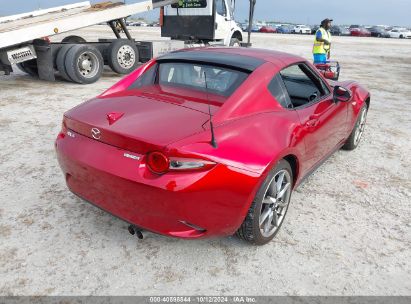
[[24, 42]]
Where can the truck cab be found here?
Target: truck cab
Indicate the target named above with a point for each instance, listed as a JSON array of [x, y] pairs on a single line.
[[202, 21]]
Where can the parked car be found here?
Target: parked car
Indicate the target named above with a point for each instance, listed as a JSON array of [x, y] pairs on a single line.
[[244, 26], [301, 29], [284, 29], [180, 146], [379, 31], [254, 29], [314, 29], [400, 33], [268, 29], [339, 31], [359, 32]]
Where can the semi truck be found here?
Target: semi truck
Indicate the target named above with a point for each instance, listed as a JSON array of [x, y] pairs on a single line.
[[25, 43]]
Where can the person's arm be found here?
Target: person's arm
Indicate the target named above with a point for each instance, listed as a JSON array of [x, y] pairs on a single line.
[[320, 38]]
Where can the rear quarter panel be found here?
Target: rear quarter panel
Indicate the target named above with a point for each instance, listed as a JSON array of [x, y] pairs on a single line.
[[252, 145], [359, 97]]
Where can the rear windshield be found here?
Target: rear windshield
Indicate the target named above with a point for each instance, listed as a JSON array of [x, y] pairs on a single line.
[[221, 81]]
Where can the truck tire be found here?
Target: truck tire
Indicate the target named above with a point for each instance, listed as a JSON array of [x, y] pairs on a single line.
[[60, 61], [235, 42], [84, 64], [73, 39], [29, 67], [123, 56]]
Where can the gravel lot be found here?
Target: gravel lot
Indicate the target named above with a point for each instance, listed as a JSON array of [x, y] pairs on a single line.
[[347, 232]]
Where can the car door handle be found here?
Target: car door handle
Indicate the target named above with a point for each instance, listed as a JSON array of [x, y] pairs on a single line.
[[312, 123]]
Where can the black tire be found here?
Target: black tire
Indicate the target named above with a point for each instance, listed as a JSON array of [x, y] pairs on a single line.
[[250, 228], [21, 67], [351, 142], [123, 56], [60, 61], [235, 42], [73, 39], [29, 67], [79, 73], [401, 37]]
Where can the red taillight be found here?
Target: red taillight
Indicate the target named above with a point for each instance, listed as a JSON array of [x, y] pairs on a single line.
[[63, 131], [157, 162], [160, 163]]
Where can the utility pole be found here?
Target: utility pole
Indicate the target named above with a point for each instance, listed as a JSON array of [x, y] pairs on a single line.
[[250, 21]]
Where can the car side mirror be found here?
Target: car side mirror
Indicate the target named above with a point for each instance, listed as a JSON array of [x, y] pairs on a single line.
[[341, 94]]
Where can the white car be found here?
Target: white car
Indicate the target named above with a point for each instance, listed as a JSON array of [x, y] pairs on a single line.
[[400, 33], [301, 29]]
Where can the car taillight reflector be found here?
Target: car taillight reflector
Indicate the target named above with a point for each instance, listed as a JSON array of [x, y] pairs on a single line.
[[158, 162]]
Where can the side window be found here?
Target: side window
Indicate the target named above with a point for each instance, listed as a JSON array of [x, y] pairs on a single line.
[[144, 80], [279, 92], [302, 85], [220, 7]]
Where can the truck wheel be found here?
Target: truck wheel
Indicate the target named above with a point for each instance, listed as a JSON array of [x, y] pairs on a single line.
[[29, 67], [235, 42], [73, 39], [60, 61], [123, 56], [84, 64], [267, 212]]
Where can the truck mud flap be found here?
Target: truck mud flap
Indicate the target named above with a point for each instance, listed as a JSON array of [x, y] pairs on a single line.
[[45, 62]]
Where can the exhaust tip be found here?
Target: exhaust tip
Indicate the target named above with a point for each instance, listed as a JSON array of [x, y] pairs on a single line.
[[134, 230], [139, 235], [131, 230]]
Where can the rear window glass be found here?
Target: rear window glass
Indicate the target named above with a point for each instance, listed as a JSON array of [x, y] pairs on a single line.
[[220, 81]]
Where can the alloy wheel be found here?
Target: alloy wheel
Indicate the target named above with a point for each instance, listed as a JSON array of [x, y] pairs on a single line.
[[275, 203], [361, 127]]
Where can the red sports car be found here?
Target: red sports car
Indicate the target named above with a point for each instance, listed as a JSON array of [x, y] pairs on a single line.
[[208, 142], [360, 32], [268, 29]]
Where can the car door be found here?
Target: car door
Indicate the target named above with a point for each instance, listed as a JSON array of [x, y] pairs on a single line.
[[222, 20], [322, 120]]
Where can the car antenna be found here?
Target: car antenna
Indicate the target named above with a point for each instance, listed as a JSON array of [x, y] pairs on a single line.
[[213, 141]]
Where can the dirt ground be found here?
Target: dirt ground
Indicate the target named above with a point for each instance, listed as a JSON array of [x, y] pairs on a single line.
[[347, 232]]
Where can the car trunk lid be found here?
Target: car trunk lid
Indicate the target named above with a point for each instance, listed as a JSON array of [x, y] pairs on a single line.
[[135, 122]]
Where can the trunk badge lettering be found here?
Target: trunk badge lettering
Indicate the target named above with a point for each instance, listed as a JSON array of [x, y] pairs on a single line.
[[113, 117], [135, 157], [96, 133]]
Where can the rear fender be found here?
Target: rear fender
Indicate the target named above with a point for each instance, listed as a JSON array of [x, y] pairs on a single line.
[[359, 97], [124, 83]]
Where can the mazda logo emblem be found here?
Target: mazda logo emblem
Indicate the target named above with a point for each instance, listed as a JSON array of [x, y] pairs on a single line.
[[96, 133]]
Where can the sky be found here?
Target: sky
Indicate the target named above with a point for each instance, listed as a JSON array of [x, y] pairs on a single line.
[[366, 12]]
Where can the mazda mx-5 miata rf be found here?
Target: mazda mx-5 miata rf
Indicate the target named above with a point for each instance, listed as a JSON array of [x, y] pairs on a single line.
[[208, 142]]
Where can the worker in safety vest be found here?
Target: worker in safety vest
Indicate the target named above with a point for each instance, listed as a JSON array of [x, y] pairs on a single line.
[[322, 42]]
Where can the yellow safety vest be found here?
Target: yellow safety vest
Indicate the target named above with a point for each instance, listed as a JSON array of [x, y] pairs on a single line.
[[320, 47]]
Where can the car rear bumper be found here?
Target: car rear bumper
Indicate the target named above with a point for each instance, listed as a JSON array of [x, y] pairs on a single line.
[[187, 205]]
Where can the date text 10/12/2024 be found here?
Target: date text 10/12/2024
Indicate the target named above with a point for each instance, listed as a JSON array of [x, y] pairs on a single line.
[[203, 299]]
